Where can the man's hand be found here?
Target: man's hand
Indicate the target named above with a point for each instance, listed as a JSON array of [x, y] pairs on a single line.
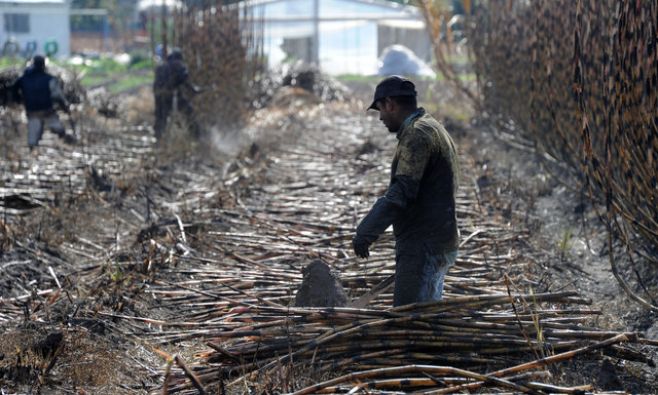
[[360, 245]]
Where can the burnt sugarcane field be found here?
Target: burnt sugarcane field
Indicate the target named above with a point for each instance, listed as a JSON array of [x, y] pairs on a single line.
[[329, 197]]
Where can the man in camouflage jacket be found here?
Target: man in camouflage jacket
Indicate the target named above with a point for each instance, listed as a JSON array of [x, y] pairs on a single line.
[[420, 200]]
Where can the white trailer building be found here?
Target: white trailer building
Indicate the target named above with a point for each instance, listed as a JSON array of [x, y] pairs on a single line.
[[35, 26], [341, 36]]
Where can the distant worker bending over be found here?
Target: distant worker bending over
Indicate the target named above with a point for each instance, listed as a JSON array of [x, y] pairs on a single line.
[[170, 77], [39, 91], [420, 200]]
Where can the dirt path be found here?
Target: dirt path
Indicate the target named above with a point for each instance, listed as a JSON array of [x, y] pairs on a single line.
[[162, 254]]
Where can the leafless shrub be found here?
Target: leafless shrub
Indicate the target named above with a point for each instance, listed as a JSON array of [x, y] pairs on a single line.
[[222, 45], [578, 80]]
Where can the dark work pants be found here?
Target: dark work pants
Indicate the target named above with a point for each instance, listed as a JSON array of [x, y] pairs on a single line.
[[420, 270], [164, 104]]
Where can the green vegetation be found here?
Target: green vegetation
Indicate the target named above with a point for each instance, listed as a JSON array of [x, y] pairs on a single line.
[[564, 245], [117, 76], [131, 82], [90, 81], [358, 78], [7, 62]]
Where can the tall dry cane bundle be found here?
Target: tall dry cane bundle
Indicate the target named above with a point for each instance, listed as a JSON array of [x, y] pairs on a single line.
[[222, 45], [578, 79]]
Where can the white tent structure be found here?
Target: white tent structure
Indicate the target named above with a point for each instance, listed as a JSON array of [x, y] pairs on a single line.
[[341, 36]]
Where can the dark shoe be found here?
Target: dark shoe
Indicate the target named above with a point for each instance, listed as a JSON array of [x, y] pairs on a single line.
[[69, 139]]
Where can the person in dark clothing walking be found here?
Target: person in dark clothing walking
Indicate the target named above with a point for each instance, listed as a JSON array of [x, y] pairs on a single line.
[[420, 200], [170, 77], [39, 91]]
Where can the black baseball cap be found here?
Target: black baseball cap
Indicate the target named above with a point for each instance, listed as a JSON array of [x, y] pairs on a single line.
[[393, 86]]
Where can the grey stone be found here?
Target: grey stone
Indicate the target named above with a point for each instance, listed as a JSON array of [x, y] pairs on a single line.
[[320, 287]]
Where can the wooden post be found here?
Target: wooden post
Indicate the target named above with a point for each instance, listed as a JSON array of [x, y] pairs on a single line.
[[163, 33]]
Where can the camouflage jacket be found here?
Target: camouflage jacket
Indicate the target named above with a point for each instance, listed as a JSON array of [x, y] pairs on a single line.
[[420, 200]]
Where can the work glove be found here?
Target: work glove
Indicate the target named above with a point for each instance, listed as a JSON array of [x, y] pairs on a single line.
[[360, 245]]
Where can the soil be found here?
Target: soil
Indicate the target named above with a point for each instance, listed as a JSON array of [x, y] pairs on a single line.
[[566, 242]]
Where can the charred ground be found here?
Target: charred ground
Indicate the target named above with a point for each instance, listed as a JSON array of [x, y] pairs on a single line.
[[118, 255]]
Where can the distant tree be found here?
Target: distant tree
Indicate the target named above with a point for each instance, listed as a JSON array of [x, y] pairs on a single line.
[[120, 14]]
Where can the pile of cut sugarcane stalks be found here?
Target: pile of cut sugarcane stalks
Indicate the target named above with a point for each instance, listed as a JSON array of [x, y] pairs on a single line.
[[463, 336]]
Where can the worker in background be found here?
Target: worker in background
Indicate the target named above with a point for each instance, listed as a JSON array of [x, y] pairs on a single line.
[[420, 200], [39, 92], [170, 77]]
